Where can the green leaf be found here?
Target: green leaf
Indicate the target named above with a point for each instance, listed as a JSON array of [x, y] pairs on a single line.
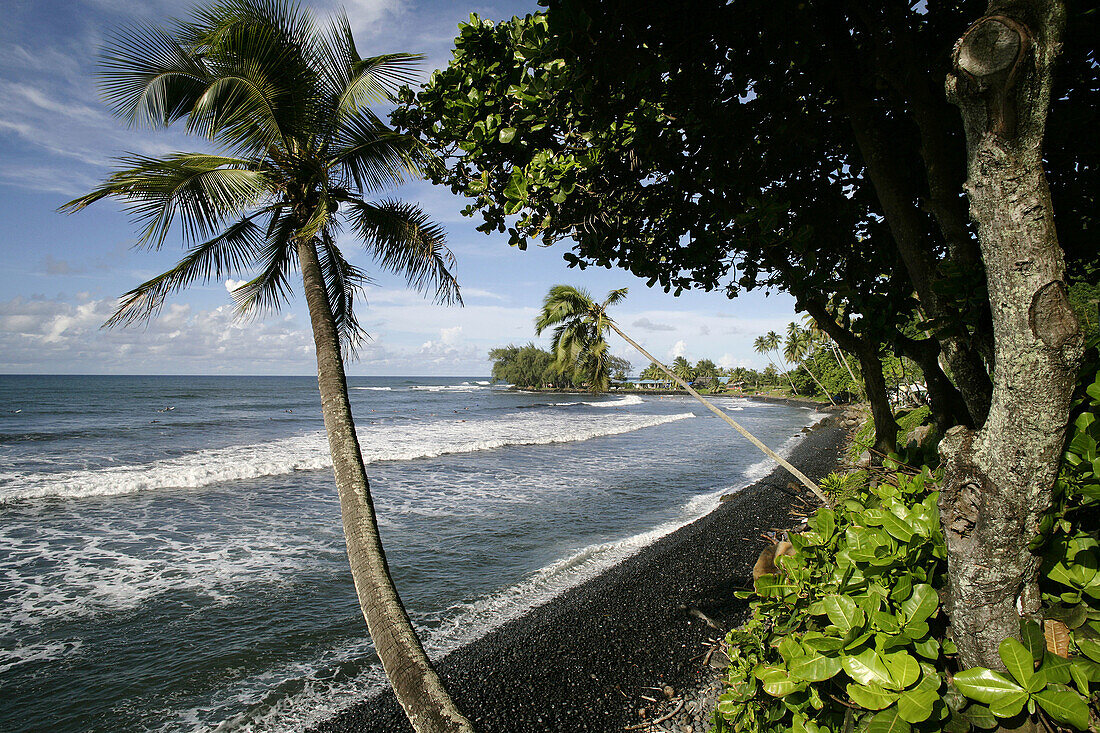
[[1010, 705], [1055, 669], [980, 717], [985, 685], [843, 612], [1080, 673], [1017, 659], [888, 721], [903, 669], [1089, 648], [928, 648], [921, 604], [868, 668], [916, 705], [775, 680], [1065, 706], [815, 668], [507, 134], [871, 697], [1033, 639]]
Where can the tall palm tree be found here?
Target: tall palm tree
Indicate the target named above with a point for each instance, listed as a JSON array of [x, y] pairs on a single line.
[[761, 346], [797, 348], [773, 342], [577, 316], [287, 106]]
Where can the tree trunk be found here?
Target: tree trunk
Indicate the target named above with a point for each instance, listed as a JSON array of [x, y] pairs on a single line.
[[416, 684], [874, 384], [998, 479], [886, 428], [944, 399], [890, 179]]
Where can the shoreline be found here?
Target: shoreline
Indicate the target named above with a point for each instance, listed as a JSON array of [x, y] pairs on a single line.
[[582, 661], [770, 399]]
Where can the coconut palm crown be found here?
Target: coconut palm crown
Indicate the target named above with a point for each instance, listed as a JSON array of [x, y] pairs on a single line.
[[580, 326], [286, 105]]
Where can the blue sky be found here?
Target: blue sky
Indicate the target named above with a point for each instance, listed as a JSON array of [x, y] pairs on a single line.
[[63, 274]]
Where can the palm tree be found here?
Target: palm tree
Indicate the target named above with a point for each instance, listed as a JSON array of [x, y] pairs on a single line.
[[578, 316], [773, 342], [706, 371], [287, 106], [580, 335], [797, 348], [761, 346], [682, 368]]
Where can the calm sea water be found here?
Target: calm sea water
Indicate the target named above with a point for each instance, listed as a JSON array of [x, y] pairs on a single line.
[[171, 555]]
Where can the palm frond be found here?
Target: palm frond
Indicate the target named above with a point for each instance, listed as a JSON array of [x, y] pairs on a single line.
[[264, 88], [343, 282], [270, 289], [373, 156], [374, 80], [561, 303], [406, 242], [148, 78], [613, 298], [224, 255], [202, 190]]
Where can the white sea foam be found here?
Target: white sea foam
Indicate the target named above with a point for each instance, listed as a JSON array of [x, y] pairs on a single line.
[[319, 699], [21, 654], [391, 442], [465, 387], [625, 401], [376, 389]]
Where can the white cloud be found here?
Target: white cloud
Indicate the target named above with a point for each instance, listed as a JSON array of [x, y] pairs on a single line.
[[231, 285], [678, 349]]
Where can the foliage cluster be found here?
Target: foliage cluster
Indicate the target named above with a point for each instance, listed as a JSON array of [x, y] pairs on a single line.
[[530, 367], [853, 633]]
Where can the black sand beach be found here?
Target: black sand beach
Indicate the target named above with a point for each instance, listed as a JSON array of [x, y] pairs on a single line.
[[582, 661]]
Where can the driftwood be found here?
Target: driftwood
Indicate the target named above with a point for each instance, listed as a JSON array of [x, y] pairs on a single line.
[[661, 719]]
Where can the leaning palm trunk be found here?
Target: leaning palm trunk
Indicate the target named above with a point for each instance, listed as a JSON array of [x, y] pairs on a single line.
[[416, 684], [733, 423], [819, 384]]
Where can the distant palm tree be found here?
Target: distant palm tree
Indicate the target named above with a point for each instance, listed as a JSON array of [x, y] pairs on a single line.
[[761, 346], [577, 316], [288, 106], [580, 332], [773, 342], [796, 348], [652, 372], [681, 367]]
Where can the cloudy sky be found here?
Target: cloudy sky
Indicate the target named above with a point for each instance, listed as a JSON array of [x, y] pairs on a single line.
[[63, 274]]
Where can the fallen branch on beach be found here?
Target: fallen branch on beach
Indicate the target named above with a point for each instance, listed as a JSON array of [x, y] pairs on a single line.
[[730, 421], [661, 719]]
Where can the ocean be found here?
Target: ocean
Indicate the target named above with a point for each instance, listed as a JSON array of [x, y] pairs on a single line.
[[171, 557]]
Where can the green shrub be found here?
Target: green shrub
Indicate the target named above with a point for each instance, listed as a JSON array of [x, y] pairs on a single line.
[[851, 636]]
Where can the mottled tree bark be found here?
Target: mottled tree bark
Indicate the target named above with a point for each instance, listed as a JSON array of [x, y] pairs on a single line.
[[999, 478], [416, 684]]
